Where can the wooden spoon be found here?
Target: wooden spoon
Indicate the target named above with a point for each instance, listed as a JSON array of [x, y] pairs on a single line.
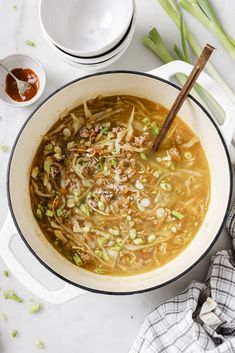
[[198, 67]]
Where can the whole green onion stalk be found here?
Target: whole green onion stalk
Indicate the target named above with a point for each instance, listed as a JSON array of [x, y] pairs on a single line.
[[204, 12], [155, 43], [172, 9]]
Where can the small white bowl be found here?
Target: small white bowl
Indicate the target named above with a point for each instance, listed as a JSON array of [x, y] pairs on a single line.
[[85, 28], [21, 61]]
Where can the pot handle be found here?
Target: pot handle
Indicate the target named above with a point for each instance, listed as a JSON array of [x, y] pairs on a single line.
[[177, 66], [61, 296]]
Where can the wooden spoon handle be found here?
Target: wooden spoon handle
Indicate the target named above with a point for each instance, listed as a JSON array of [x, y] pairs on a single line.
[[197, 69]]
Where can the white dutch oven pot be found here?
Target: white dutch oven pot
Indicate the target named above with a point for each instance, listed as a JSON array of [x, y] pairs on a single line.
[[155, 86]]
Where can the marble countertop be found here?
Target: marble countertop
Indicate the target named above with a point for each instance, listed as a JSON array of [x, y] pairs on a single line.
[[91, 322]]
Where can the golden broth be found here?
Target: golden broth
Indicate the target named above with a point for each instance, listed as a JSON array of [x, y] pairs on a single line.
[[105, 200]]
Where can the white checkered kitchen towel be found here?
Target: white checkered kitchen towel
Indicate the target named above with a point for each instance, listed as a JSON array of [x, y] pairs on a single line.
[[200, 319]]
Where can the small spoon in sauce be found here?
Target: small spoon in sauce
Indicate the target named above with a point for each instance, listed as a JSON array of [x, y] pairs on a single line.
[[22, 86], [197, 69]]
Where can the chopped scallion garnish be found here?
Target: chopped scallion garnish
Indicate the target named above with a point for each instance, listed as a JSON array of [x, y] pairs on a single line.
[[59, 212], [49, 213], [77, 259], [177, 214], [11, 294], [39, 344], [6, 273], [14, 333], [165, 186], [143, 156], [30, 43], [35, 308]]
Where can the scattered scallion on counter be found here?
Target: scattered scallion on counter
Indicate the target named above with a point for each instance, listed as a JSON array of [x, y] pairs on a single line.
[[4, 148], [35, 308], [14, 333], [30, 43], [11, 294], [39, 343], [15, 7], [6, 273]]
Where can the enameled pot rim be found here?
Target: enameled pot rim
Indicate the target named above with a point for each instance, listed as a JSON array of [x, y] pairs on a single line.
[[140, 290]]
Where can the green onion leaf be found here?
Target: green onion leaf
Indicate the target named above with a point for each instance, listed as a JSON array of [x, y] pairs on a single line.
[[177, 214], [183, 42]]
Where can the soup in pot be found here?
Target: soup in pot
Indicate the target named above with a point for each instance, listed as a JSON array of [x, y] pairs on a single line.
[[105, 200]]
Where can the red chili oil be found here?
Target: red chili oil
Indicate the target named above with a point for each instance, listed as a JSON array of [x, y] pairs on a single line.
[[26, 75]]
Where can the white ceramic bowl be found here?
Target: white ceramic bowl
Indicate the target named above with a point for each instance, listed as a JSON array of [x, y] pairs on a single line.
[[21, 61], [101, 61], [98, 58], [85, 27]]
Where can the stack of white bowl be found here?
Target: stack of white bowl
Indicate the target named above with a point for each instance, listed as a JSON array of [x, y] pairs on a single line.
[[88, 34]]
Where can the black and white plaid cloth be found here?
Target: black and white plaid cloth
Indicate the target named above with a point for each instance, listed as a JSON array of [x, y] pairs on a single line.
[[200, 319]]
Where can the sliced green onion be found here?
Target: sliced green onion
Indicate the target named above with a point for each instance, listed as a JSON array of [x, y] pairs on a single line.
[[48, 147], [105, 255], [177, 214], [39, 344], [39, 213], [76, 192], [6, 273], [157, 174], [188, 155], [143, 156], [85, 209], [146, 121], [11, 294], [132, 233], [155, 129], [14, 7], [35, 308], [30, 43], [101, 205], [113, 163], [59, 212], [104, 131], [14, 333], [49, 213], [4, 148], [100, 270], [102, 241], [77, 259], [151, 238], [165, 186]]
